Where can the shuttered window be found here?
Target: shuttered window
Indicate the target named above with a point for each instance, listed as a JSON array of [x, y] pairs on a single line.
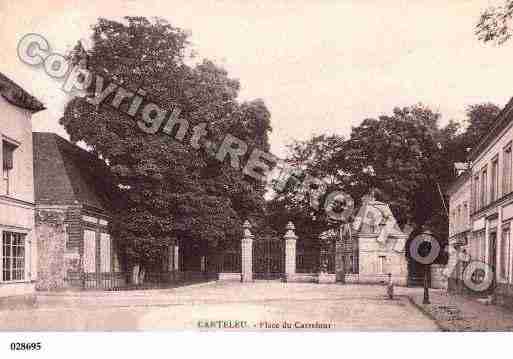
[[89, 251], [494, 185], [484, 187], [506, 171], [105, 253], [504, 252], [7, 166]]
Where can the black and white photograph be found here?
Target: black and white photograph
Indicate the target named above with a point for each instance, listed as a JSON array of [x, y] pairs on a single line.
[[250, 167]]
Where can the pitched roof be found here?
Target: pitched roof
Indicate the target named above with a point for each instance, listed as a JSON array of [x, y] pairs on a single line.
[[372, 215], [17, 96], [66, 174]]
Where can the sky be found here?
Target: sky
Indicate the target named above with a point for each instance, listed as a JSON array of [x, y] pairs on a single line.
[[320, 66]]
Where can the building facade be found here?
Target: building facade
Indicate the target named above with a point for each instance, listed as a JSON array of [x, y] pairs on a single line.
[[460, 229], [18, 254], [378, 245], [488, 188], [73, 204]]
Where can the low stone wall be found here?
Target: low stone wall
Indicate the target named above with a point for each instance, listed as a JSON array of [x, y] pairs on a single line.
[[301, 278], [230, 277], [504, 295], [352, 278], [438, 279], [327, 278], [322, 278]]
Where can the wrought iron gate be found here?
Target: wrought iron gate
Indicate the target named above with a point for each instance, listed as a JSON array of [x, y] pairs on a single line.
[[268, 258]]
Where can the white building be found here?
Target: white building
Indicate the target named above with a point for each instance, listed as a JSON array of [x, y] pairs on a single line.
[[488, 188], [459, 222], [18, 254]]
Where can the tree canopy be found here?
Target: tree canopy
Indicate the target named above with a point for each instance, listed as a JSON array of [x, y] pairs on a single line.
[[406, 155], [495, 23], [170, 189]]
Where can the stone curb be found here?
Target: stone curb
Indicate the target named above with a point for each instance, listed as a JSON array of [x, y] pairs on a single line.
[[426, 313]]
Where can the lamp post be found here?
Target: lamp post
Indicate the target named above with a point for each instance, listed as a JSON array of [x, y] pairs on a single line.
[[426, 286]]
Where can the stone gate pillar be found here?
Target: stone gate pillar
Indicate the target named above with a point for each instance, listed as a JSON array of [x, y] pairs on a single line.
[[247, 253], [176, 259], [290, 252], [339, 259]]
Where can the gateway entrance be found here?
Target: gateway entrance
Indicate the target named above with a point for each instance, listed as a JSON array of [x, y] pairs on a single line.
[[268, 258]]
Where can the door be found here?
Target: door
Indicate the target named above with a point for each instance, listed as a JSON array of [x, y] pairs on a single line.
[[492, 257]]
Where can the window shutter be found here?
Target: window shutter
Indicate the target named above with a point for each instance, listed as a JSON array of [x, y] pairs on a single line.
[[8, 152]]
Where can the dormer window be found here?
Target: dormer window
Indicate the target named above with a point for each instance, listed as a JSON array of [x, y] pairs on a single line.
[[8, 166]]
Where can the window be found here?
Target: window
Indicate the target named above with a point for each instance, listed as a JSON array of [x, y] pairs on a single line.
[[475, 193], [506, 171], [484, 187], [382, 264], [13, 256], [504, 252], [7, 166], [494, 185], [458, 221], [89, 251], [105, 256], [477, 246], [465, 215]]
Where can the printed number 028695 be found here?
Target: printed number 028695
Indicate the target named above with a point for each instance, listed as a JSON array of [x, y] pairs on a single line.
[[26, 346]]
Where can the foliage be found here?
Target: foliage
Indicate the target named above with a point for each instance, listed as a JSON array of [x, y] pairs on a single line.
[[495, 23], [406, 156], [313, 157], [170, 190]]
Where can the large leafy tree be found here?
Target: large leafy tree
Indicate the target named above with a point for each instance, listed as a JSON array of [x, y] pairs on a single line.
[[294, 201], [406, 156], [402, 155], [480, 118], [170, 189], [495, 23]]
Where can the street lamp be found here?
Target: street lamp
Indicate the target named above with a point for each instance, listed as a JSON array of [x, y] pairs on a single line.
[[425, 255], [426, 286]]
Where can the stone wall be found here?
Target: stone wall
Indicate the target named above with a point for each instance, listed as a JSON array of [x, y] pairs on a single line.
[[51, 243], [377, 259], [438, 279]]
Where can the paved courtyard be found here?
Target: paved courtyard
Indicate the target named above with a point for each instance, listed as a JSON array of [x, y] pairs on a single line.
[[264, 305]]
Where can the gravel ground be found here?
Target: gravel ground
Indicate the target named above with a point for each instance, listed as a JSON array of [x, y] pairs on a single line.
[[260, 306]]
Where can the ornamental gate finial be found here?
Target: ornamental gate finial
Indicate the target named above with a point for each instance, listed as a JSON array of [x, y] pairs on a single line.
[[290, 231]]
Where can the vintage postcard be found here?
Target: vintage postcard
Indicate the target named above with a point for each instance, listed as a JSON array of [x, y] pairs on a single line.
[[269, 166]]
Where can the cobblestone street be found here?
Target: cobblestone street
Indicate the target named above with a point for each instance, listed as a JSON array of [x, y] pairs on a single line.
[[257, 306]]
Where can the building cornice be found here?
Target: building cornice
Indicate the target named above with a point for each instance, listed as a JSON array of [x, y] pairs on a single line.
[[487, 210], [12, 200]]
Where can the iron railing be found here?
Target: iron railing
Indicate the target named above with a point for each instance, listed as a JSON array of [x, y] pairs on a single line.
[[123, 280]]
